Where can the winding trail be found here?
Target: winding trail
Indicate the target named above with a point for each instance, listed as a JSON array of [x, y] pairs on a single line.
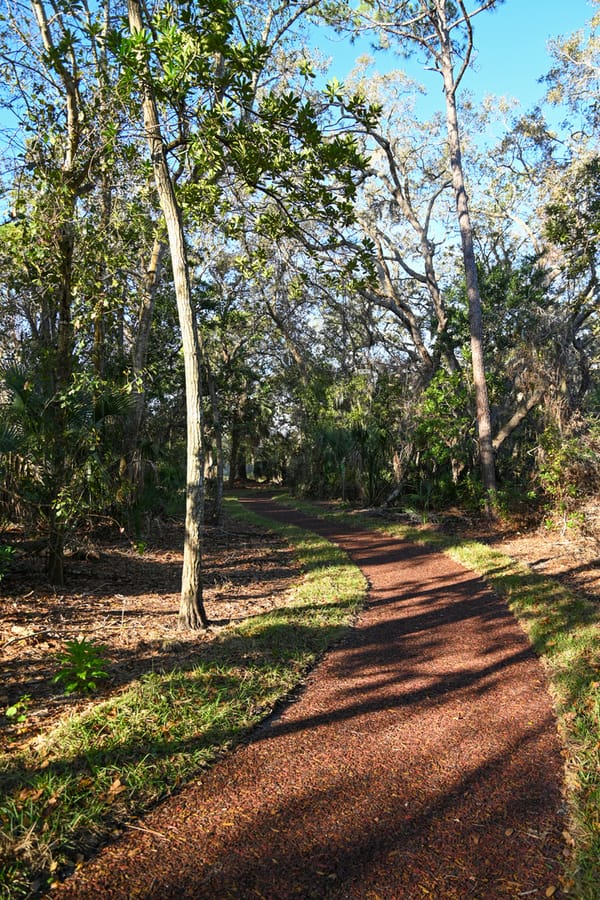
[[421, 760]]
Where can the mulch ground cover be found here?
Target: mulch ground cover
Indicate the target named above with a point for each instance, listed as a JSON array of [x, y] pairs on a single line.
[[421, 759]]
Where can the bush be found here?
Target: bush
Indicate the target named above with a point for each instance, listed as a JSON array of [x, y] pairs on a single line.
[[82, 666], [569, 464]]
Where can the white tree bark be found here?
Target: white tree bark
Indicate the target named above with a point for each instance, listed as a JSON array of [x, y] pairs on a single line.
[[191, 611], [484, 427]]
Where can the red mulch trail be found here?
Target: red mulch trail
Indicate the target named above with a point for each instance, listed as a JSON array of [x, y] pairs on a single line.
[[421, 760]]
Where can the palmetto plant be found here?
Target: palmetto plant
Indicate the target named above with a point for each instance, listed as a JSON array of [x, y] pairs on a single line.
[[55, 452]]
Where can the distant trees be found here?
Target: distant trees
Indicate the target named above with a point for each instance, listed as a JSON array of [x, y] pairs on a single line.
[[442, 31]]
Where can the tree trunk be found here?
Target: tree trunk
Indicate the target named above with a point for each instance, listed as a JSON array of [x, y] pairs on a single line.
[[56, 553], [191, 610], [216, 415], [518, 416], [234, 452], [132, 465], [484, 427]]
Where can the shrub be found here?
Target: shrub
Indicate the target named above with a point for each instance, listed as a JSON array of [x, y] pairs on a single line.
[[569, 464], [82, 666]]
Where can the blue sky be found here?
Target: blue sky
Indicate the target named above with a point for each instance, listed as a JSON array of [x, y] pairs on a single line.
[[511, 44]]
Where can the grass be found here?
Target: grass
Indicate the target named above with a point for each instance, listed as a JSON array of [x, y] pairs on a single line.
[[96, 772], [564, 630]]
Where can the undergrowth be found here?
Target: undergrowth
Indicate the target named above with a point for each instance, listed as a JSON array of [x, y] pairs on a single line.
[[97, 771]]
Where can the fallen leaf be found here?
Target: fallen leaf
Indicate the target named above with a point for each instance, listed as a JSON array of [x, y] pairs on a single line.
[[30, 794], [116, 788], [509, 831], [550, 891]]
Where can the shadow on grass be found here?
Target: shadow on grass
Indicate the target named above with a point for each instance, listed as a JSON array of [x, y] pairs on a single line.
[[551, 614], [242, 666], [178, 724], [266, 658]]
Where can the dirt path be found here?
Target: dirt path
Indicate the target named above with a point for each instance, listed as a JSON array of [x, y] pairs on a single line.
[[421, 760]]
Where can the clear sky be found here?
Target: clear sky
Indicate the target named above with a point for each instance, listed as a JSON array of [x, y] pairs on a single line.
[[511, 44]]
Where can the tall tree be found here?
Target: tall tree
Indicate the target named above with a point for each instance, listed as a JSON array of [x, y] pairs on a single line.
[[210, 123], [191, 613], [443, 31], [404, 215]]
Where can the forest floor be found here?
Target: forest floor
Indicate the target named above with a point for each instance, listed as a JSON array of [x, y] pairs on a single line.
[[125, 595], [567, 550]]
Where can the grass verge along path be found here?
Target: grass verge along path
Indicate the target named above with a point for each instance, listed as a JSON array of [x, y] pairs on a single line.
[[564, 630], [94, 774]]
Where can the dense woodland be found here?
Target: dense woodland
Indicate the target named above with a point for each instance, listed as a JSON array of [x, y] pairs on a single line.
[[219, 264]]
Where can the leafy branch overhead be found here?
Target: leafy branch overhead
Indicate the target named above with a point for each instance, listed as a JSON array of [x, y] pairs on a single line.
[[301, 154]]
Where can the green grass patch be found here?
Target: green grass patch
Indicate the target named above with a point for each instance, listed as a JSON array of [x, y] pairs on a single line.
[[98, 771], [564, 629]]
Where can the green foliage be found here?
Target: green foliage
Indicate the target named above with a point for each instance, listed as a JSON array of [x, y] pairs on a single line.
[[82, 666], [6, 556], [204, 66], [334, 453], [163, 493], [17, 711], [513, 295], [444, 417], [573, 220], [569, 466], [61, 464], [443, 437], [347, 444]]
